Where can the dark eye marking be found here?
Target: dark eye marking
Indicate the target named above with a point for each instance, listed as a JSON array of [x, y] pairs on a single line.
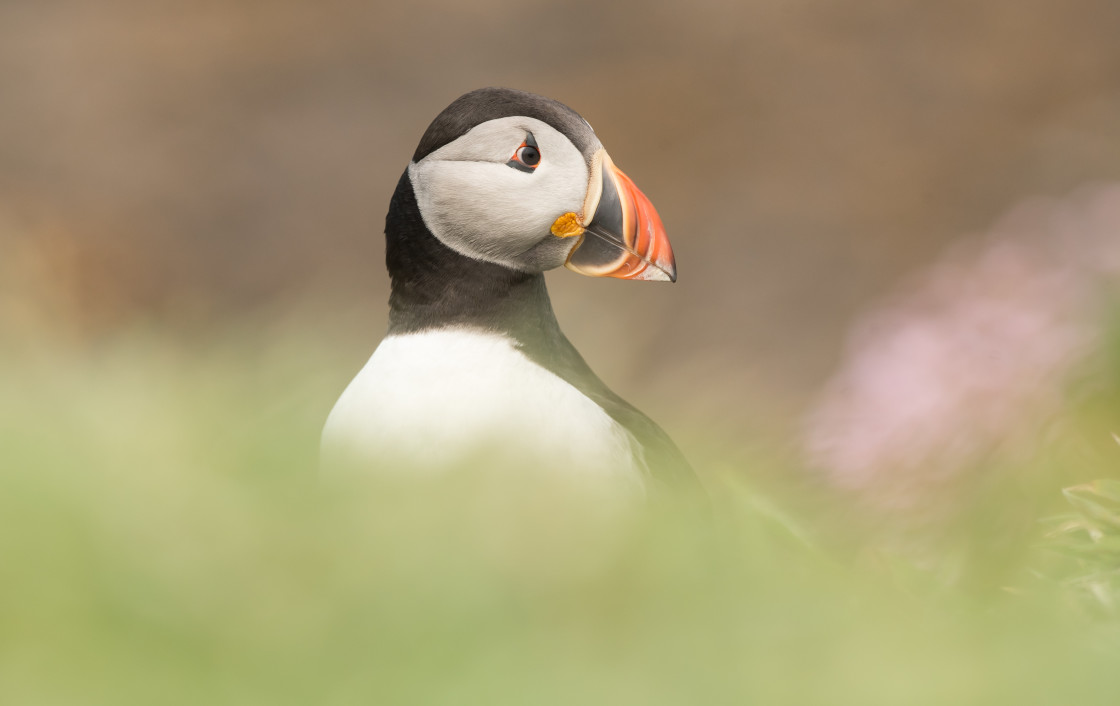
[[527, 156]]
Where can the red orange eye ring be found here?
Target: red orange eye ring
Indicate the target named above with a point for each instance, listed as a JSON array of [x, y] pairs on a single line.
[[527, 156]]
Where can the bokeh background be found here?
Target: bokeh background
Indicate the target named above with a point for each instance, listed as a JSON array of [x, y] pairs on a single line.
[[897, 226], [190, 163]]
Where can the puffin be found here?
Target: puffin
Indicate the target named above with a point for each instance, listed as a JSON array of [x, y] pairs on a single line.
[[504, 186]]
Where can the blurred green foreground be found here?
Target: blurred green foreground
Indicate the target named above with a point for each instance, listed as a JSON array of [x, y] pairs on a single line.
[[163, 540]]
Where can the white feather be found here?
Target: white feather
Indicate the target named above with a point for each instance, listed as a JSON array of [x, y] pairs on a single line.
[[435, 398]]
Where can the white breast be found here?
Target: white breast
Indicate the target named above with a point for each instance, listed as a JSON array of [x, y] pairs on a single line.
[[436, 398]]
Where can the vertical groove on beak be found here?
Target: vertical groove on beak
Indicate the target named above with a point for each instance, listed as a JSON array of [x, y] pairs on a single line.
[[625, 237]]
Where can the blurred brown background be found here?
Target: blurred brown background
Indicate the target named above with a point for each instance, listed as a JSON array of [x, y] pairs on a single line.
[[201, 163]]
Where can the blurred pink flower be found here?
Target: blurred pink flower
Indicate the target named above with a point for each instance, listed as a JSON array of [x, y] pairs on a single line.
[[973, 355]]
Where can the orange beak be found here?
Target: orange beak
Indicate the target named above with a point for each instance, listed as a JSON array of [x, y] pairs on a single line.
[[623, 236]]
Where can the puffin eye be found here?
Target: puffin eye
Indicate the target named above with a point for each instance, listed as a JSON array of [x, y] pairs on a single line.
[[527, 156]]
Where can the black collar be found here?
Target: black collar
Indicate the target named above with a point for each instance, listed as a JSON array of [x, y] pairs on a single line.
[[435, 287]]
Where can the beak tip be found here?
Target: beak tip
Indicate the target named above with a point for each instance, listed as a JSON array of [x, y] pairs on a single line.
[[664, 270]]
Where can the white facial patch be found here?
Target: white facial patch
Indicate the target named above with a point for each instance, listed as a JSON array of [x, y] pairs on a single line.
[[479, 206]]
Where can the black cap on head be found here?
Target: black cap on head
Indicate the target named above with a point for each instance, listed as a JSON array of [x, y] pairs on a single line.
[[477, 107]]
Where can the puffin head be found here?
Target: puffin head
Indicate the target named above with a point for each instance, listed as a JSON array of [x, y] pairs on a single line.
[[522, 181]]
